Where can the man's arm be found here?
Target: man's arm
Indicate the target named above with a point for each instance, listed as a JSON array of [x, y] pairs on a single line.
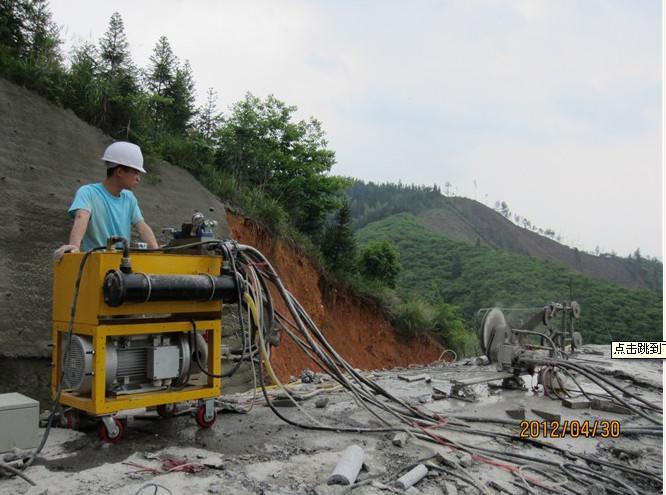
[[81, 219], [146, 234]]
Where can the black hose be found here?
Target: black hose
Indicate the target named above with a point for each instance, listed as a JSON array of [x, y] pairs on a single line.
[[65, 365]]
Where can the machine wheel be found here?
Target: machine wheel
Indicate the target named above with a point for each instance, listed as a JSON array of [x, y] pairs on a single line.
[[104, 433], [575, 309], [166, 410], [200, 417], [72, 419]]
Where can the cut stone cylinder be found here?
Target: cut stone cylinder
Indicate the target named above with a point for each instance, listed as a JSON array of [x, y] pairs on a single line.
[[412, 477], [348, 467]]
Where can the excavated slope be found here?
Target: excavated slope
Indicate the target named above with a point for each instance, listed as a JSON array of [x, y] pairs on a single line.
[[46, 153], [468, 220], [358, 331]]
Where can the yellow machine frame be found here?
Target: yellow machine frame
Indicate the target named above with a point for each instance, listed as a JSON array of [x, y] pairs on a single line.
[[96, 319]]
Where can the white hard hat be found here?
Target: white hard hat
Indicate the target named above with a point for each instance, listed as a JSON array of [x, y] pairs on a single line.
[[124, 153]]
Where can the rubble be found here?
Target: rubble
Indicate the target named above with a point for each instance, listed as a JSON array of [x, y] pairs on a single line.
[[257, 452]]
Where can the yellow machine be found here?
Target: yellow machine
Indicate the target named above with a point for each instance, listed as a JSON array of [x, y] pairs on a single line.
[[144, 331]]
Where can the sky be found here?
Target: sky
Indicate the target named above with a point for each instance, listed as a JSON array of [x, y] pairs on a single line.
[[554, 107]]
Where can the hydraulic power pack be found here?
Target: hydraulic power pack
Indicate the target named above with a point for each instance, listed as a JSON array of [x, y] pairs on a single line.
[[138, 331]]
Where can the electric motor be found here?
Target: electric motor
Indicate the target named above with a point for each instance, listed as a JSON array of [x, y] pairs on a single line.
[[135, 363]]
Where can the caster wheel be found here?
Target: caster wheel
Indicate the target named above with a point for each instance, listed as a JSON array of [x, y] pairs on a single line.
[[103, 432], [166, 410], [72, 419], [201, 421]]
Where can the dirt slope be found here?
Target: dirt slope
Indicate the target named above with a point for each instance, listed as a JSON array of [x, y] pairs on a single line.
[[46, 153], [360, 333], [468, 220]]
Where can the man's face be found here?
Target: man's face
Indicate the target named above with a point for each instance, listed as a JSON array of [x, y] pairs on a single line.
[[129, 177]]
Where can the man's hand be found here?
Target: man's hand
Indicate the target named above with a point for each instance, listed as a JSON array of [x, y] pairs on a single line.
[[67, 248]]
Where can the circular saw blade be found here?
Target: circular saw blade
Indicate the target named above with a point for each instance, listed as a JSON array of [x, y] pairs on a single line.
[[492, 333]]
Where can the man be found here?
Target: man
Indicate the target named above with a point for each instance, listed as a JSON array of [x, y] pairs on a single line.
[[109, 208]]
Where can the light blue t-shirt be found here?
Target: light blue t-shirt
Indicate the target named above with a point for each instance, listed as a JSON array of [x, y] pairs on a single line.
[[109, 215]]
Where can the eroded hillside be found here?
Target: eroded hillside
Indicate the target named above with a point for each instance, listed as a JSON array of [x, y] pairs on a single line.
[[358, 330]]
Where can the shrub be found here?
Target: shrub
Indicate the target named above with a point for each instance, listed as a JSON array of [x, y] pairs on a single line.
[[380, 261]]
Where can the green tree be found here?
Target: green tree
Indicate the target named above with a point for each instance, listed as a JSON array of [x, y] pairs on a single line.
[[339, 244], [261, 146], [181, 93], [160, 77], [84, 91], [118, 79], [380, 262], [208, 118], [162, 70]]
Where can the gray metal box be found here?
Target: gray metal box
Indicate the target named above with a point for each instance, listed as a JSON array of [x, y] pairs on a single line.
[[163, 362], [19, 422]]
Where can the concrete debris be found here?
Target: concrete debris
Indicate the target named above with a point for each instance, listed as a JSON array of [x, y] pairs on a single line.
[[213, 462], [412, 477], [348, 467], [548, 416], [518, 413], [481, 360], [447, 459], [215, 487], [321, 402], [465, 459], [576, 404], [283, 403], [439, 393], [400, 439], [308, 376], [463, 392], [450, 488], [609, 406], [414, 378]]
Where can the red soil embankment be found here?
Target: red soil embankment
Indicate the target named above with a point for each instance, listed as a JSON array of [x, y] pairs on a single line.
[[359, 332]]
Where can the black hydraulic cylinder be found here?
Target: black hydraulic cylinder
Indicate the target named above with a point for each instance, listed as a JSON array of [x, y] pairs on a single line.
[[122, 287]]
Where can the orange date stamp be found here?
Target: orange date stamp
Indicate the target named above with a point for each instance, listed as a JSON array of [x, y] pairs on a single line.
[[570, 428]]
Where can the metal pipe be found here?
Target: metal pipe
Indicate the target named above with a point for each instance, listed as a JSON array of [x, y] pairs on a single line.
[[122, 287]]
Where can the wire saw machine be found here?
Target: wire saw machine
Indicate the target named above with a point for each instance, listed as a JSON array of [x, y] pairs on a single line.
[[140, 329], [506, 341]]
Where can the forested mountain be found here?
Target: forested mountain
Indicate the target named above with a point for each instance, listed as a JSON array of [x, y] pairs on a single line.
[[469, 221], [437, 268]]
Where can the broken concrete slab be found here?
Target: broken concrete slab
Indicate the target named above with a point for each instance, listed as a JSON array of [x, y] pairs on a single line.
[[283, 403], [548, 416], [518, 413], [576, 403], [609, 406], [414, 378]]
